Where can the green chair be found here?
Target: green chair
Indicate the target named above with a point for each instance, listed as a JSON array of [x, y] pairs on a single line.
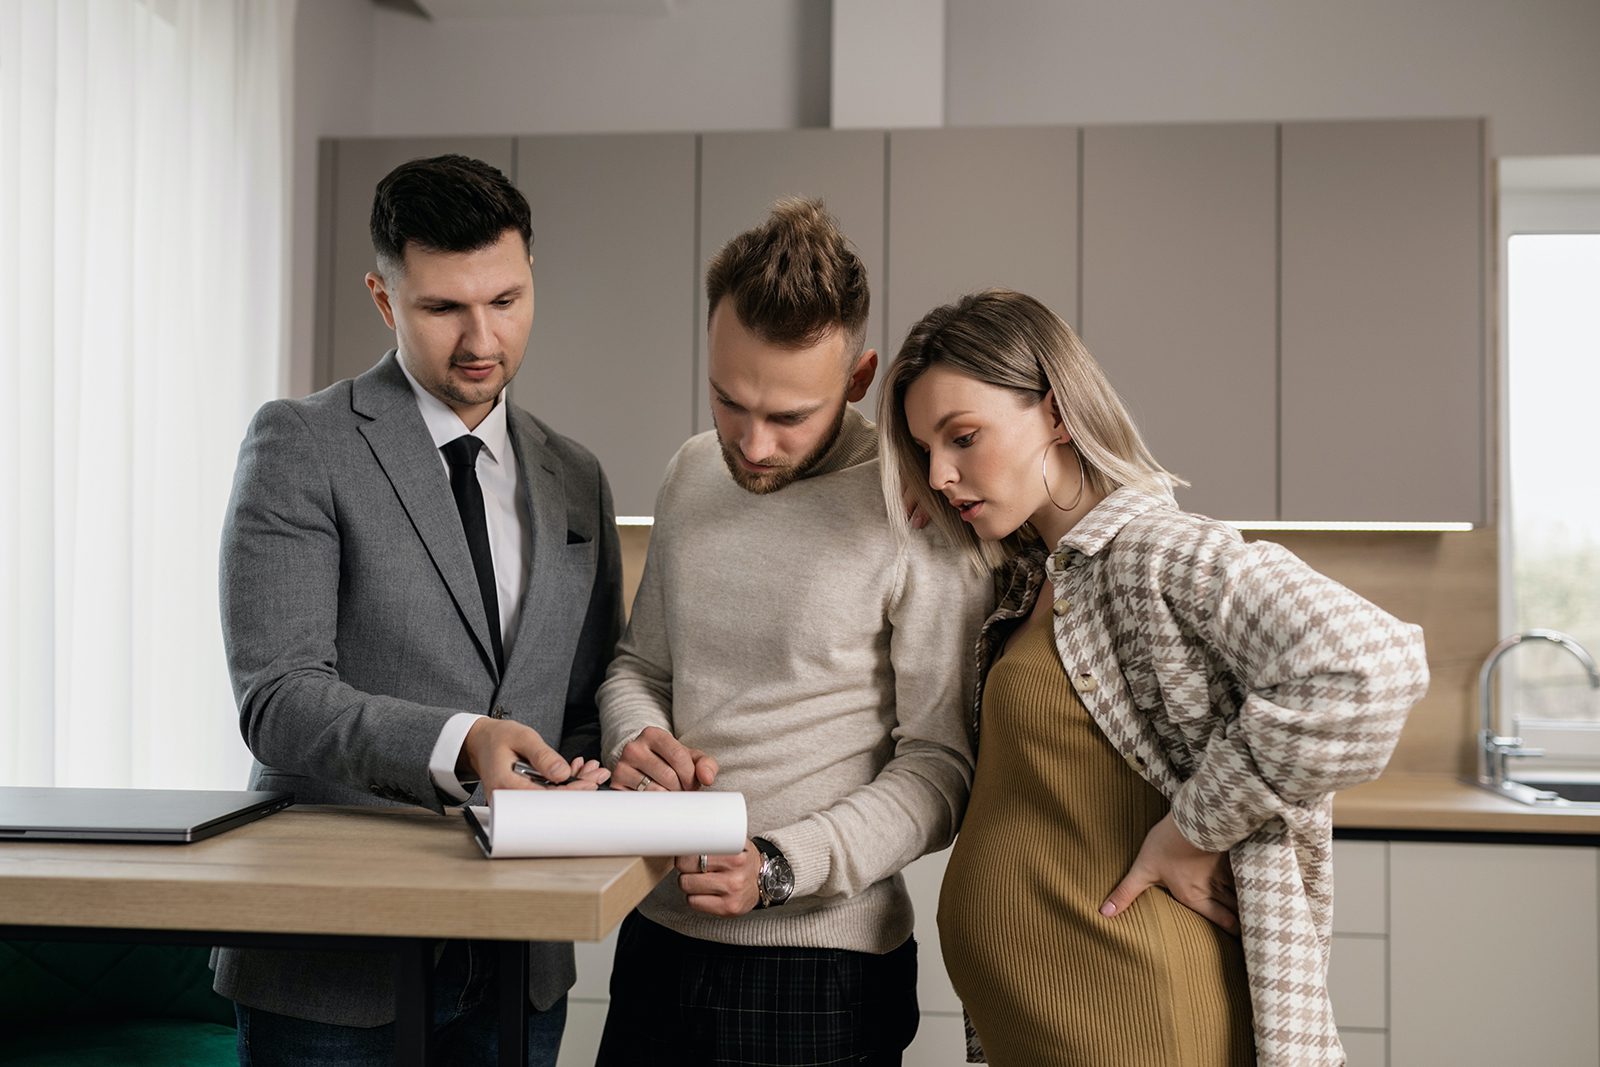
[[77, 1003]]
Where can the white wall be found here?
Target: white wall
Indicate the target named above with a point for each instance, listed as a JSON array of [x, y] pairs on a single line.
[[888, 64], [1529, 65], [704, 64]]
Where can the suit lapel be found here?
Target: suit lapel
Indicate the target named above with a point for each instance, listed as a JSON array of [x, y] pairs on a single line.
[[545, 488], [404, 449]]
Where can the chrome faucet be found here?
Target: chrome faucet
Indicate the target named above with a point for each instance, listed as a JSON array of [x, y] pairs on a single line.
[[1493, 748]]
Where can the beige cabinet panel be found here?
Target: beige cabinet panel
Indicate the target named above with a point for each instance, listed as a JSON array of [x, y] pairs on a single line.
[[980, 208], [610, 360], [1383, 339], [593, 960], [1492, 955], [1180, 300], [580, 1042], [941, 1039], [1360, 887], [1358, 982], [923, 879], [350, 332], [1364, 1048], [742, 174]]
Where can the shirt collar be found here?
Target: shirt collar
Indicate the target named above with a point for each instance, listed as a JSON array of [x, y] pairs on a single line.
[[444, 425]]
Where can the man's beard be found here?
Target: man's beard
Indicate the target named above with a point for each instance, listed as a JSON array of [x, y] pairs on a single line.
[[782, 474]]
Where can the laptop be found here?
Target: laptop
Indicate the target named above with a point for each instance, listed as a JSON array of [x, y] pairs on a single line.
[[159, 815]]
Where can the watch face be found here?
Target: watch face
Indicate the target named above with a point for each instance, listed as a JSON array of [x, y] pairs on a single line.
[[775, 881], [779, 879]]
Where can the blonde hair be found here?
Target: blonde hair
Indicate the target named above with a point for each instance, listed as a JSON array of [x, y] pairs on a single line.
[[793, 278], [1009, 339]]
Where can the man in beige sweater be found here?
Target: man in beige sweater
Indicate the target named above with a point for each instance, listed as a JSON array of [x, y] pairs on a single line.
[[786, 644]]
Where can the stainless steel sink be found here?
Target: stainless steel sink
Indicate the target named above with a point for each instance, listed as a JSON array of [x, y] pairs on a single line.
[[1575, 795], [1572, 792]]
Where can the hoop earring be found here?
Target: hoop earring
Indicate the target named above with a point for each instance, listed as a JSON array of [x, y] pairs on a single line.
[[1083, 480]]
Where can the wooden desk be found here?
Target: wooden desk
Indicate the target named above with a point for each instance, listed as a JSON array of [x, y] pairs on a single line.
[[373, 878]]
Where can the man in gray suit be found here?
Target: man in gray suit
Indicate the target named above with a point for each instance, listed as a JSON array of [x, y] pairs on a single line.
[[420, 585]]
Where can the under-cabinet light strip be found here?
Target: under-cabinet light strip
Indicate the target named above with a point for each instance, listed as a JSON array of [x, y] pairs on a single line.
[[1350, 527]]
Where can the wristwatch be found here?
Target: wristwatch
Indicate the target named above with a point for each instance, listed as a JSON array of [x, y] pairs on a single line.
[[776, 881]]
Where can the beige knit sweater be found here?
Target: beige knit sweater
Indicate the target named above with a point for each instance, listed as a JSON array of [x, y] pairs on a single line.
[[825, 665]]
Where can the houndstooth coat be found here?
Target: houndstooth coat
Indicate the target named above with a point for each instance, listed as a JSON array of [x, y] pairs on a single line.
[[1246, 687]]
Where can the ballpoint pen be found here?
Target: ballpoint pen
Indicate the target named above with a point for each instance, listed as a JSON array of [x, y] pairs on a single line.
[[527, 771]]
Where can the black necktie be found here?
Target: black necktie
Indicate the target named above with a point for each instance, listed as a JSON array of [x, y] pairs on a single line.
[[462, 455]]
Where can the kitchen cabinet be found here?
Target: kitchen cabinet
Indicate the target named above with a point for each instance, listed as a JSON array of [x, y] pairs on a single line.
[[1295, 314], [980, 208], [1180, 300], [1467, 954], [350, 332], [610, 358], [741, 174], [1383, 345], [1493, 954]]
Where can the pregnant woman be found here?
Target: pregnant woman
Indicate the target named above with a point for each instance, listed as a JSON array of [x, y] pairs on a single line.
[[1143, 874]]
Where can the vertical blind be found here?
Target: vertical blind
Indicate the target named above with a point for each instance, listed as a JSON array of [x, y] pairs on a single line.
[[143, 191]]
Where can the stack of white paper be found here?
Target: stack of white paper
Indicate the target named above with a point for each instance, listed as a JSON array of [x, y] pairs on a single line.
[[538, 822]]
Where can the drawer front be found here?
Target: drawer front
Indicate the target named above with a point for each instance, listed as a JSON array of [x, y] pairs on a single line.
[[1361, 887], [1365, 1048], [1358, 982]]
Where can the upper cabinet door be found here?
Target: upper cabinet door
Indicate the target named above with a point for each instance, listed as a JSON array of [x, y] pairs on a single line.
[[1383, 330], [350, 332], [742, 174], [611, 355], [1180, 301], [977, 209]]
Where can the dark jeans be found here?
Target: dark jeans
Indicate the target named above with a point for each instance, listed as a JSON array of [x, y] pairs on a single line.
[[465, 1025], [680, 1000]]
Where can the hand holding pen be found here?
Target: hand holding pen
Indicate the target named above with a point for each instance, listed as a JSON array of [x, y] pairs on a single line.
[[493, 746], [586, 774]]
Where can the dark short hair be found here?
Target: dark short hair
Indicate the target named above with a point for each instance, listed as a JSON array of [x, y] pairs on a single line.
[[445, 204], [793, 278]]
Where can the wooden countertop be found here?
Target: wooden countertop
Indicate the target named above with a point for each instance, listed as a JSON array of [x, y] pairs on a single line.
[[1444, 803], [319, 870]]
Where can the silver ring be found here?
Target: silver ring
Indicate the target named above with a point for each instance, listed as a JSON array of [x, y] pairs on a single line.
[[644, 783], [703, 861]]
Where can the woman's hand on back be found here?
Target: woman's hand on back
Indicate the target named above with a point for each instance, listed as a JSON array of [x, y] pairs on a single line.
[[1201, 881]]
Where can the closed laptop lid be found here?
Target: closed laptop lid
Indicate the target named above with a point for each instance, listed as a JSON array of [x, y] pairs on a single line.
[[171, 815]]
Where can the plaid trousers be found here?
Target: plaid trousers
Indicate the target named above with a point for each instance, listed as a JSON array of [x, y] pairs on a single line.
[[681, 1000]]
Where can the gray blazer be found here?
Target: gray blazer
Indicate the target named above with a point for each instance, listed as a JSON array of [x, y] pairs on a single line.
[[354, 630]]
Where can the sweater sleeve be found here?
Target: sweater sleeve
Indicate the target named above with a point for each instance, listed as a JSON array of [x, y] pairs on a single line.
[[1328, 679], [637, 692], [915, 803]]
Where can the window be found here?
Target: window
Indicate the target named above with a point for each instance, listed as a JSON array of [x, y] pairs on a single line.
[[141, 229], [1550, 474]]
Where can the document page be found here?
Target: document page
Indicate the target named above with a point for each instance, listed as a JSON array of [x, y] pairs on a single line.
[[521, 823]]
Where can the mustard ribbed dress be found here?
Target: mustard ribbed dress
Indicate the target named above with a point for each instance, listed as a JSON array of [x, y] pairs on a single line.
[[1055, 820]]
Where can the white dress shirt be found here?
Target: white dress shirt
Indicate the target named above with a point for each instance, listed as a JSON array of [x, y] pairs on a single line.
[[510, 547]]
